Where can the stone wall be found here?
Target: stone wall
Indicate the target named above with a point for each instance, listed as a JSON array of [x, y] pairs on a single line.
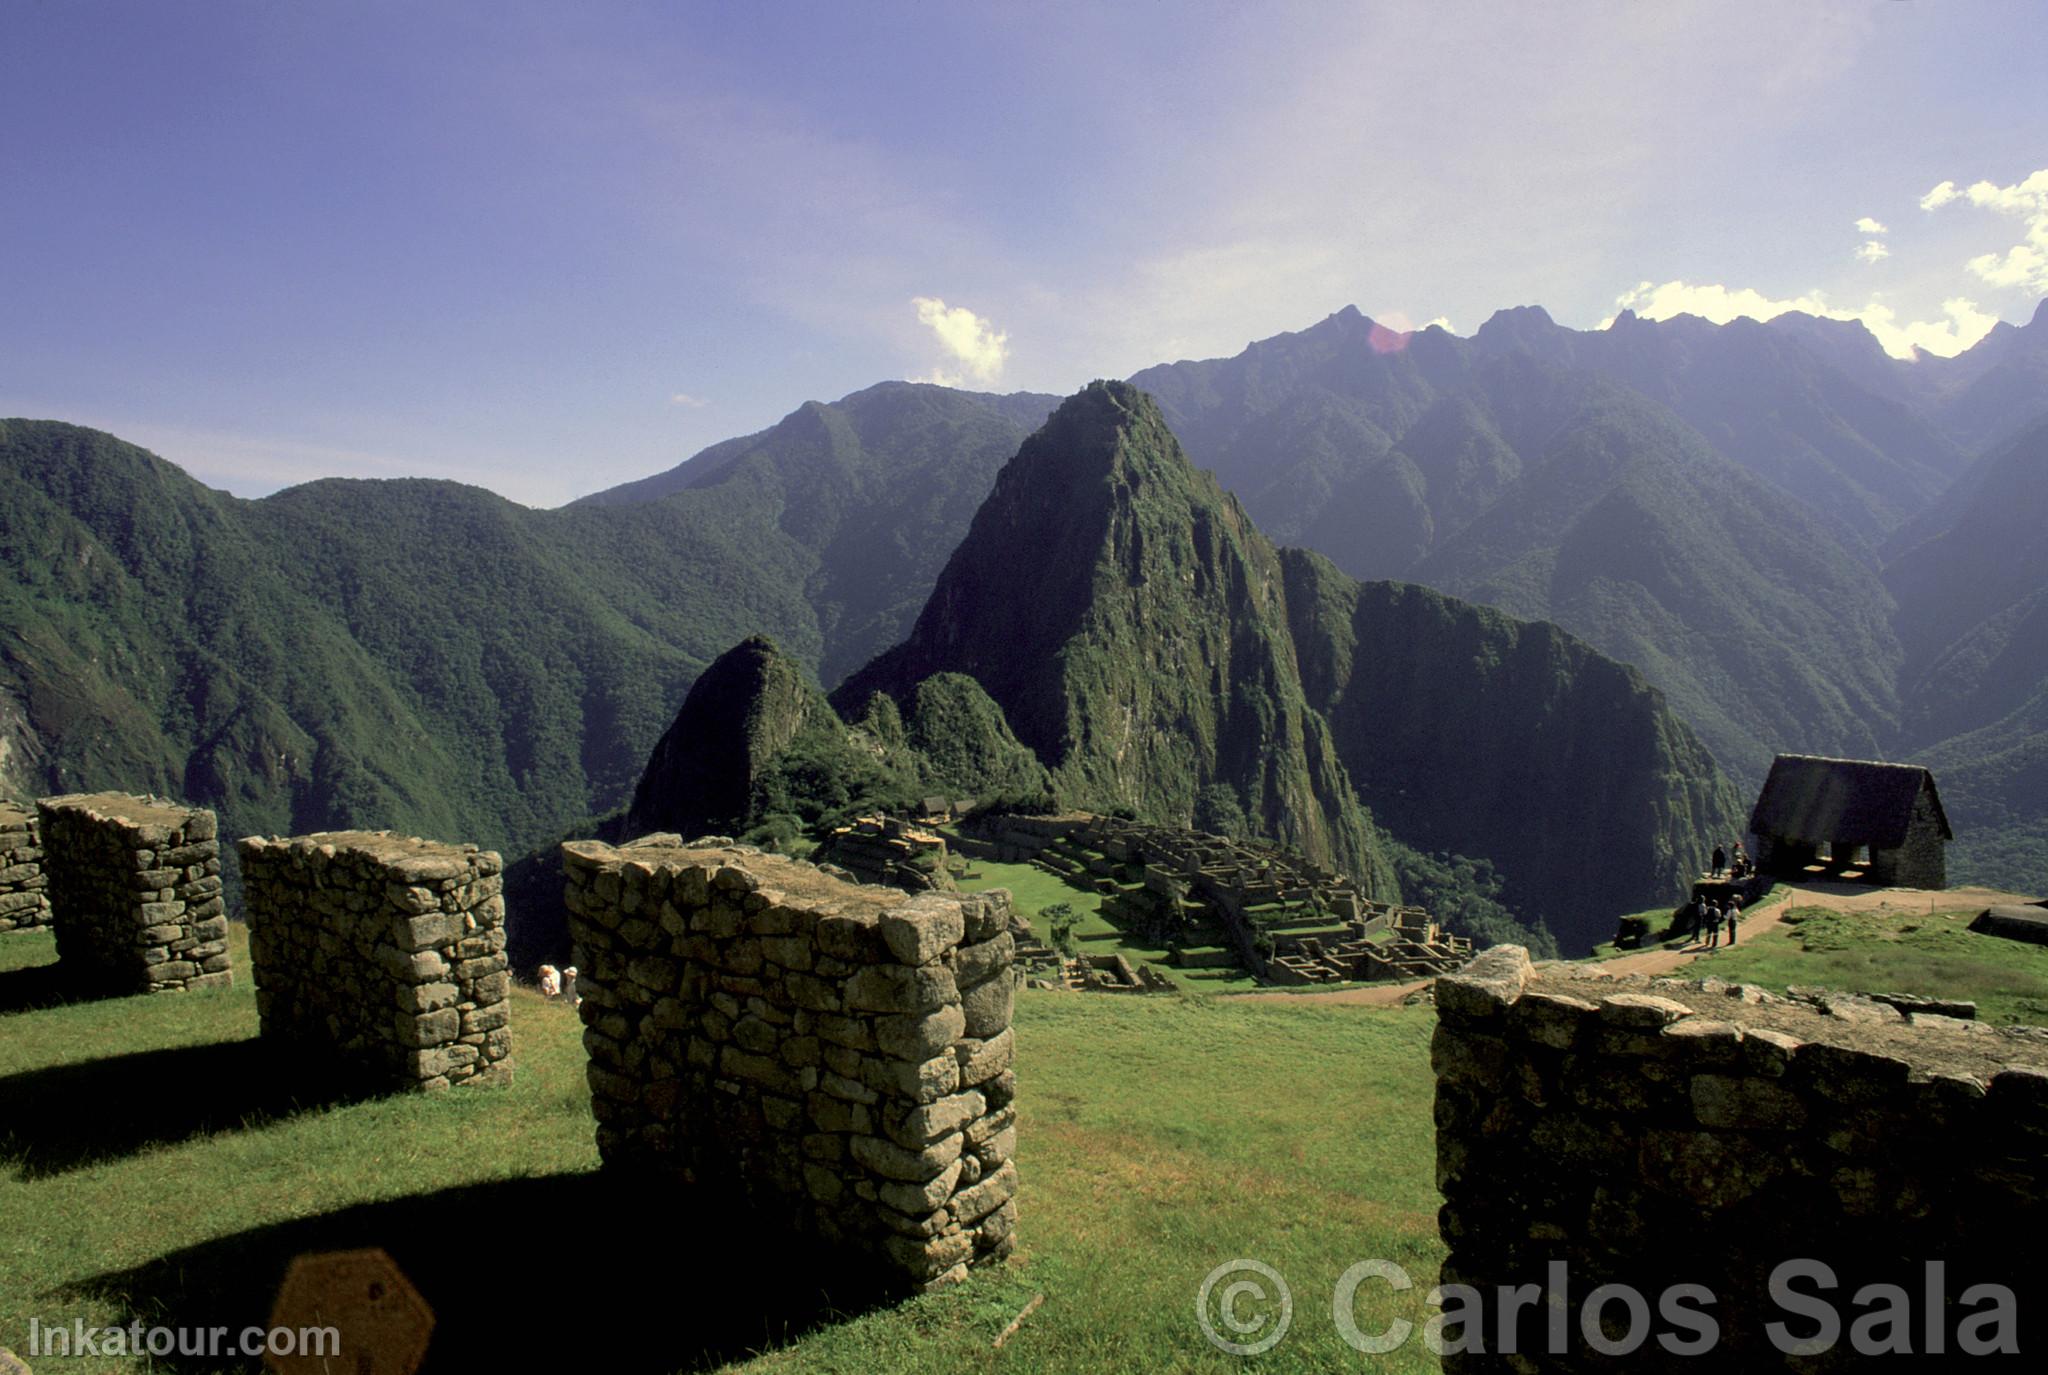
[[836, 1055], [135, 893], [23, 899], [889, 852], [1921, 859], [380, 956], [1665, 1133]]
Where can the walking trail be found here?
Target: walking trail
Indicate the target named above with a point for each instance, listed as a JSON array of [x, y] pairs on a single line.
[[1854, 897]]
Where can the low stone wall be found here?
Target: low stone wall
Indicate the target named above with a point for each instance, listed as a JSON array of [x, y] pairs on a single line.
[[836, 1055], [1592, 1132], [888, 852], [23, 899], [134, 890], [381, 956]]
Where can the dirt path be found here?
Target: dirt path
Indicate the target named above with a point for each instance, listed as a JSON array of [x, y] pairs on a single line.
[[1853, 897]]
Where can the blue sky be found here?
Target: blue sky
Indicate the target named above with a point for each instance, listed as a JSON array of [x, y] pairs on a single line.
[[550, 248]]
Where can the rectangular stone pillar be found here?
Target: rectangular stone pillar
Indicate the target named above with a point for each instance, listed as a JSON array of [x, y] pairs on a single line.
[[381, 956], [134, 890], [24, 901], [834, 1054]]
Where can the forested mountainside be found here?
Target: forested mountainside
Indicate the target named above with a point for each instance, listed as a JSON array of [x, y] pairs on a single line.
[[1784, 530], [429, 656], [1159, 654]]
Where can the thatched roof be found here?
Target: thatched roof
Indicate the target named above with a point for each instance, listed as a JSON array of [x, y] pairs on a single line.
[[1843, 801]]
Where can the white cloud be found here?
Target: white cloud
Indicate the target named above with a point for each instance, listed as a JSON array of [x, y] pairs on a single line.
[[1965, 323], [973, 342], [2025, 264], [1939, 196], [1871, 250], [687, 401], [1867, 225]]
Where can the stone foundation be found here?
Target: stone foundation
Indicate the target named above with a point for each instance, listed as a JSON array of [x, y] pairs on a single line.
[[835, 1055], [135, 894], [381, 956], [24, 901], [888, 852], [1670, 1133]]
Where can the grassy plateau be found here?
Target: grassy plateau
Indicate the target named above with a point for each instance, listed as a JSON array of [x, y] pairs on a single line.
[[153, 1167]]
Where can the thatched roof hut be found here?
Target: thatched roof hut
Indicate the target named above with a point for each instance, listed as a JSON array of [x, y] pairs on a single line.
[[1849, 805]]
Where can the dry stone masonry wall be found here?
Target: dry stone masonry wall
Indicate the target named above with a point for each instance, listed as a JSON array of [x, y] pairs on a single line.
[[834, 1054], [23, 899], [381, 955], [135, 892], [1591, 1132]]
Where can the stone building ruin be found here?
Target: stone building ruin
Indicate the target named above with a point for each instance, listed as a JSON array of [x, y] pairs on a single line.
[[889, 852], [24, 899], [836, 1056], [380, 957], [1882, 821], [1667, 1132], [134, 891], [1220, 902]]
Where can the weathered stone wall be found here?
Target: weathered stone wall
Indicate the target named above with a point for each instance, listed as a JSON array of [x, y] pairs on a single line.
[[1921, 860], [23, 899], [834, 1054], [134, 889], [381, 956], [888, 852], [1703, 1133]]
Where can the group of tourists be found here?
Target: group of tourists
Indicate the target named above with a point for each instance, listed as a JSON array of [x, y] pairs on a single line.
[[1709, 917], [1736, 866]]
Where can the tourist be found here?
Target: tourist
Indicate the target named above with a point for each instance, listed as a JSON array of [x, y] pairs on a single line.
[[569, 993], [1713, 926], [1734, 911], [1720, 860], [550, 982], [1739, 865]]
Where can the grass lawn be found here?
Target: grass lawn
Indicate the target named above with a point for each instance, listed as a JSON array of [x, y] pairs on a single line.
[[154, 1165], [1894, 952], [1035, 889]]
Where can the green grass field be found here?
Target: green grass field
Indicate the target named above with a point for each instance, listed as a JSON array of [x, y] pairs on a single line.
[[1893, 952], [149, 1168]]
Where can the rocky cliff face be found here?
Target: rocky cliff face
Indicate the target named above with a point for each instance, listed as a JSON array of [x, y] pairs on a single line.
[[711, 770], [1132, 625], [1468, 731]]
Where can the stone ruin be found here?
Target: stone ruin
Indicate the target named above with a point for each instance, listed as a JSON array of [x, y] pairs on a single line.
[[24, 901], [381, 956], [887, 852], [1220, 902], [134, 892], [1668, 1132], [836, 1056]]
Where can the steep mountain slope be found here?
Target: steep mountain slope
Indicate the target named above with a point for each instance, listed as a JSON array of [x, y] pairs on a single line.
[[1470, 732], [877, 488], [1131, 624], [1529, 469], [1973, 618], [1151, 645], [410, 654]]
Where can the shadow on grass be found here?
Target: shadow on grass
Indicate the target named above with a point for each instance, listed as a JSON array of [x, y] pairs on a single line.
[[70, 1116], [44, 986], [564, 1272]]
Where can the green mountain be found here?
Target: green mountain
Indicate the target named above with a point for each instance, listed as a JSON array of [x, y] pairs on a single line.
[[1469, 732], [430, 656], [1973, 618], [1158, 653], [871, 493], [1131, 624]]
